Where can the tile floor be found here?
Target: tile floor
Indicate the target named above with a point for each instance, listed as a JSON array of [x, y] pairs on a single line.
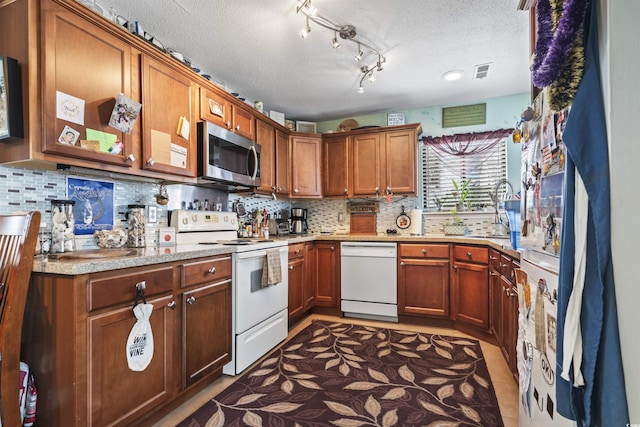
[[503, 382]]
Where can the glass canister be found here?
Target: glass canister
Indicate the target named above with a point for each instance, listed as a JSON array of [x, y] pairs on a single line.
[[62, 224], [136, 226]]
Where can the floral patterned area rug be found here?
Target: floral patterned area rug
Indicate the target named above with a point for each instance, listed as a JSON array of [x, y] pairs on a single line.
[[338, 374]]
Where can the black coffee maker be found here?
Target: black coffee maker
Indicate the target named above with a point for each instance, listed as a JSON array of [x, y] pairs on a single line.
[[299, 221]]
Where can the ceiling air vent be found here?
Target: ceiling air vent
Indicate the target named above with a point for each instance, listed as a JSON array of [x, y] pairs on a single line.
[[481, 71]]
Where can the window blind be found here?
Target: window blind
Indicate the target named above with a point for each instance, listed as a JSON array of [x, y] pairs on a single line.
[[439, 171]]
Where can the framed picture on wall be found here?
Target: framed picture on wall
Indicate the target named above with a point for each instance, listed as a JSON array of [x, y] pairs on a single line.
[[11, 126], [93, 209]]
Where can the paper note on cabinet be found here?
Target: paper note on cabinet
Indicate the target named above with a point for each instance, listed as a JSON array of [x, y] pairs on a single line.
[[69, 108], [178, 156]]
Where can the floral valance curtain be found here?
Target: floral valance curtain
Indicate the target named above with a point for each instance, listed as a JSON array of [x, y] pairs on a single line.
[[482, 145], [464, 144]]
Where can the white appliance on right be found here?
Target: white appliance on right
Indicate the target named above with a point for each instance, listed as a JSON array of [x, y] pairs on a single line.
[[541, 221]]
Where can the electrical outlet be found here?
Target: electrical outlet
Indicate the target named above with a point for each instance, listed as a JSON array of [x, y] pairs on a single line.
[[152, 216]]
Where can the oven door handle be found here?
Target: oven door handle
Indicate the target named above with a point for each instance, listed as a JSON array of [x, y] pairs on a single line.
[[258, 253]]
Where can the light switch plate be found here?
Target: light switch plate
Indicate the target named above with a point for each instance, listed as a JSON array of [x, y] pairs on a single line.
[[152, 216]]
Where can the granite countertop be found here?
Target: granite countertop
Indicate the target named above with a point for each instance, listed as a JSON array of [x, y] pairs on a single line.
[[158, 255]]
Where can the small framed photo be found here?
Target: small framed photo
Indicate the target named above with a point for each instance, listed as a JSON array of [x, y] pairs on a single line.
[[306, 127], [68, 136], [394, 119], [11, 126], [216, 108]]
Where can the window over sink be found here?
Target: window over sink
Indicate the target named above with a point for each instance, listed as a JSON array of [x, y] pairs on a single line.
[[478, 159]]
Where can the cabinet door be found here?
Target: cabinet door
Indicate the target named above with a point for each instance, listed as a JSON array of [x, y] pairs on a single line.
[[496, 296], [118, 395], [471, 294], [305, 164], [366, 164], [168, 96], [282, 163], [509, 322], [423, 287], [296, 287], [84, 62], [244, 122], [214, 108], [206, 330], [310, 280], [266, 138], [328, 274], [399, 159], [335, 171]]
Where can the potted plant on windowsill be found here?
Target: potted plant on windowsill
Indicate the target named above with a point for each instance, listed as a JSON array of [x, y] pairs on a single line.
[[456, 226]]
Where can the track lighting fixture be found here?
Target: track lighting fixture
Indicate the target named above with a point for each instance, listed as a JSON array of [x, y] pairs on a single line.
[[346, 32], [359, 54], [335, 43], [304, 32]]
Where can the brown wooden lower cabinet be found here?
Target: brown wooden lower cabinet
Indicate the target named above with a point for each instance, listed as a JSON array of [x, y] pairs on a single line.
[[75, 333], [423, 279], [327, 274], [297, 277], [470, 285]]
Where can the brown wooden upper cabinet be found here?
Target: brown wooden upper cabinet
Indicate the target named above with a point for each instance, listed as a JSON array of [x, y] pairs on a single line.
[[274, 159], [335, 161], [376, 161], [305, 166], [216, 108], [83, 62], [167, 97]]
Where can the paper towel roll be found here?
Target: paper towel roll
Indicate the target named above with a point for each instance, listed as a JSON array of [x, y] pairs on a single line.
[[416, 222]]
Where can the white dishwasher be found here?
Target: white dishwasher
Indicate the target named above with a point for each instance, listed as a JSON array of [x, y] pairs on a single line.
[[368, 277]]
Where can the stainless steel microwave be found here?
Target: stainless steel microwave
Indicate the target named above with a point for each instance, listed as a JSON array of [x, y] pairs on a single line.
[[226, 158]]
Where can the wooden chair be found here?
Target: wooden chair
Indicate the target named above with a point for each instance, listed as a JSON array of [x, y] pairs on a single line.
[[18, 237]]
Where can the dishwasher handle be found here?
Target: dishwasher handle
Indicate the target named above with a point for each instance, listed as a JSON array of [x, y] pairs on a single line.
[[369, 249]]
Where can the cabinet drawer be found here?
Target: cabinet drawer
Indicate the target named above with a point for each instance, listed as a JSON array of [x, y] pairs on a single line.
[[475, 254], [414, 250], [121, 289], [494, 259], [506, 267], [296, 251], [206, 270]]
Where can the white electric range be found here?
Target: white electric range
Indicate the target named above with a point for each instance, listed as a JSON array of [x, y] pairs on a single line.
[[260, 317]]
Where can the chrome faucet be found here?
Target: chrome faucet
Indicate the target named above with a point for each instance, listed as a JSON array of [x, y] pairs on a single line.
[[496, 199]]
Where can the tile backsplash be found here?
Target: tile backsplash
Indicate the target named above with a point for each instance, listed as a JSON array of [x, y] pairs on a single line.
[[24, 189]]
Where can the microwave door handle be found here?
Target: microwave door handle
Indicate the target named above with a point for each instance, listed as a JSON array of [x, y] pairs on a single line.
[[255, 163]]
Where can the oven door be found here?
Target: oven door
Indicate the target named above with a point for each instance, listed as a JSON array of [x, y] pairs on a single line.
[[253, 303]]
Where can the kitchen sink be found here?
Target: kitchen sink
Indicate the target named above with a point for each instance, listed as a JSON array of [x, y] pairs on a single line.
[[93, 254], [489, 236]]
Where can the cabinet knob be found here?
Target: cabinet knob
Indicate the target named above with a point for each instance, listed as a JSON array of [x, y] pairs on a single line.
[[291, 267], [333, 248], [469, 255], [345, 191], [424, 251], [295, 190], [238, 127], [493, 273], [513, 274], [297, 251], [212, 270], [279, 188], [228, 124], [377, 190], [172, 305], [402, 264], [503, 265], [274, 188], [191, 300], [455, 267]]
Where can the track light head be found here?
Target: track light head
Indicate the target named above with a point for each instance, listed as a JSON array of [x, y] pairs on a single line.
[[334, 42]]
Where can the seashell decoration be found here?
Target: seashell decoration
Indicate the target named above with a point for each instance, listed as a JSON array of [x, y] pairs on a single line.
[[111, 239]]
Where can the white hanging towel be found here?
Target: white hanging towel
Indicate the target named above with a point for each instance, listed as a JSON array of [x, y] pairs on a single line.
[[140, 342]]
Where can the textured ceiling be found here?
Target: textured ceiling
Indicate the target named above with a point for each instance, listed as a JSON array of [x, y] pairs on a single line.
[[252, 47]]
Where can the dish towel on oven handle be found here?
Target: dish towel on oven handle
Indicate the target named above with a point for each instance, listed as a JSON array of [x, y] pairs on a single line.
[[271, 269], [140, 342]]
